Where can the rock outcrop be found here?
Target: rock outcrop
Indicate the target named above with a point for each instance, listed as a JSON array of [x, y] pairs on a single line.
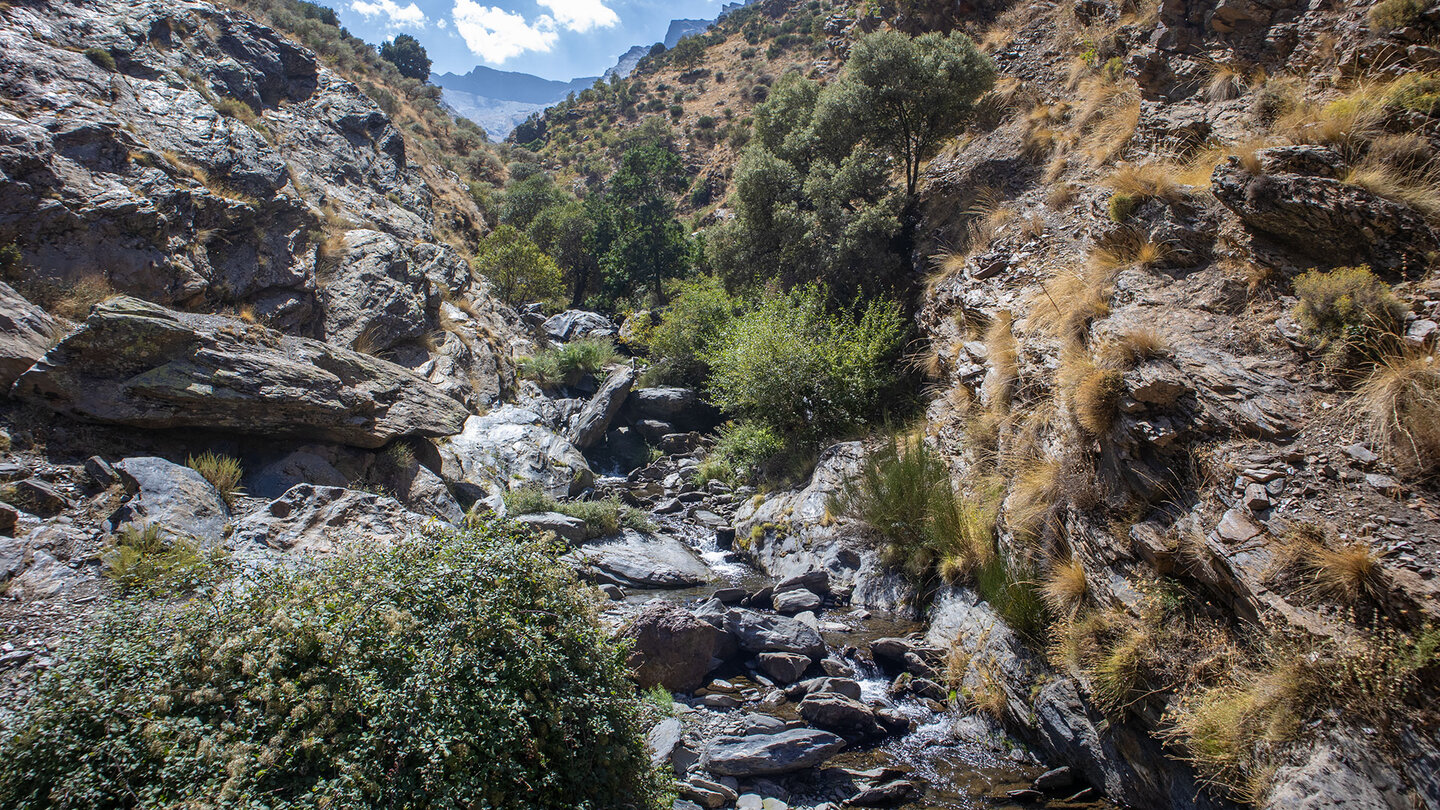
[[139, 364], [26, 333]]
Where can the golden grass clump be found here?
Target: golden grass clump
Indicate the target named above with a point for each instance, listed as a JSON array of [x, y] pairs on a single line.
[[1068, 303], [1002, 353], [223, 472], [1031, 508], [1066, 587], [1108, 114], [1095, 399], [1400, 405], [75, 304], [1132, 348]]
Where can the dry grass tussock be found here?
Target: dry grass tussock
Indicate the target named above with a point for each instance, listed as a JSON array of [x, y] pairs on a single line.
[[1132, 348], [1127, 248], [1003, 357], [1322, 566], [1107, 116], [1400, 405], [1065, 587], [1092, 391], [1067, 304]]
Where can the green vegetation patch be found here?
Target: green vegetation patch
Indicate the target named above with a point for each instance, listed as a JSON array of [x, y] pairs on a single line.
[[602, 518]]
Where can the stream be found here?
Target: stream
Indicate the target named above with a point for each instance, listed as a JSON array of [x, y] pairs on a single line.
[[958, 760]]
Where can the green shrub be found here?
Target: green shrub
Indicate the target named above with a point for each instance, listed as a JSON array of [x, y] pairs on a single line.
[[699, 312], [904, 492], [1418, 92], [806, 373], [456, 670], [223, 473], [744, 449], [147, 559], [1388, 15], [1348, 311], [564, 364], [1014, 592], [518, 270], [603, 518], [101, 58], [1122, 205]]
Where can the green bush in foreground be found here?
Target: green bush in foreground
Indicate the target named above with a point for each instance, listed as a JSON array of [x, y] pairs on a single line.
[[457, 670]]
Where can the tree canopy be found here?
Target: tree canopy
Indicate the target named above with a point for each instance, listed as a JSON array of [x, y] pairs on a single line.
[[408, 56]]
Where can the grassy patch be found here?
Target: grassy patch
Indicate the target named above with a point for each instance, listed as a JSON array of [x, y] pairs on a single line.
[[147, 559], [564, 365], [603, 518], [101, 57], [1400, 405], [223, 473]]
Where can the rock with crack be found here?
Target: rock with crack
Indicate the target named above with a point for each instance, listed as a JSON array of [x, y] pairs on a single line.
[[177, 499], [639, 560], [324, 520], [670, 647], [594, 420], [26, 333], [139, 364], [574, 324], [376, 297], [509, 448], [770, 754]]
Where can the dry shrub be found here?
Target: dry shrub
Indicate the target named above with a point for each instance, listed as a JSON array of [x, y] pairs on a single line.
[[1153, 179], [1109, 112], [75, 303], [1003, 357], [1225, 84], [1067, 304], [1133, 348], [1400, 403], [1125, 248], [1346, 124]]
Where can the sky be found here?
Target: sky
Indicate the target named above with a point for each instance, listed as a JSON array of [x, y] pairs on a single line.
[[554, 39]]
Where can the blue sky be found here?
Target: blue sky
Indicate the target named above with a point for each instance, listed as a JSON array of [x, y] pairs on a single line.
[[556, 39]]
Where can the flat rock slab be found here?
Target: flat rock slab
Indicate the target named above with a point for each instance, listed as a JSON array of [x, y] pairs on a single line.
[[768, 754], [637, 560], [140, 364]]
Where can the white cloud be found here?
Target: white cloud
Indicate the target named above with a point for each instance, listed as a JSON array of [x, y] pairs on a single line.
[[495, 35], [395, 14], [581, 15]]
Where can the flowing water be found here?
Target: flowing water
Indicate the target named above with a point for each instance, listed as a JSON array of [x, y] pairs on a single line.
[[961, 761]]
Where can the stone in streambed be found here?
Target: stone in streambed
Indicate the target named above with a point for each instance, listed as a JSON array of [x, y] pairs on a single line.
[[769, 754]]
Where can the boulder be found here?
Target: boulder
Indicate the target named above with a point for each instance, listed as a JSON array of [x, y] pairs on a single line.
[[761, 633], [783, 668], [139, 364], [425, 492], [1323, 217], [511, 447], [26, 333], [661, 404], [843, 715], [176, 498], [323, 520], [376, 297], [670, 647], [839, 686], [1341, 773], [770, 754], [595, 419], [637, 560], [795, 600], [662, 741], [298, 467], [574, 324], [564, 526], [39, 497]]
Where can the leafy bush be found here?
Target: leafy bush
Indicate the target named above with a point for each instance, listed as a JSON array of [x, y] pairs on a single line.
[[699, 312], [904, 492], [806, 373], [602, 518], [457, 670], [1418, 92], [223, 473], [1388, 15], [101, 58], [518, 270], [145, 558], [564, 364], [1347, 310], [744, 448]]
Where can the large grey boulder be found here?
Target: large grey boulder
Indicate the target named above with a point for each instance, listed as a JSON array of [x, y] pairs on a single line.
[[26, 333], [176, 498], [569, 528], [670, 647], [661, 404], [511, 447], [761, 633], [1340, 773], [842, 715], [592, 423], [637, 560], [1323, 217], [324, 520], [376, 297], [770, 754], [140, 364], [47, 561], [573, 324], [301, 466]]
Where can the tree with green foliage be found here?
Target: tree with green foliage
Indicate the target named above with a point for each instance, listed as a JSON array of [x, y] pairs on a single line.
[[451, 670], [649, 245], [526, 198], [567, 232], [699, 312], [408, 56], [808, 373], [909, 94], [519, 271]]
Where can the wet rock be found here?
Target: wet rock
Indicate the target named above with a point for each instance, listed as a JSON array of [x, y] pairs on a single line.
[[510, 447], [761, 633], [614, 593], [783, 668], [845, 716], [915, 657], [26, 333], [1054, 780], [564, 526], [839, 686], [1025, 796], [139, 364], [795, 601], [769, 754], [670, 647], [594, 420], [636, 560], [574, 324], [323, 520], [176, 498], [886, 795], [817, 582], [729, 596]]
